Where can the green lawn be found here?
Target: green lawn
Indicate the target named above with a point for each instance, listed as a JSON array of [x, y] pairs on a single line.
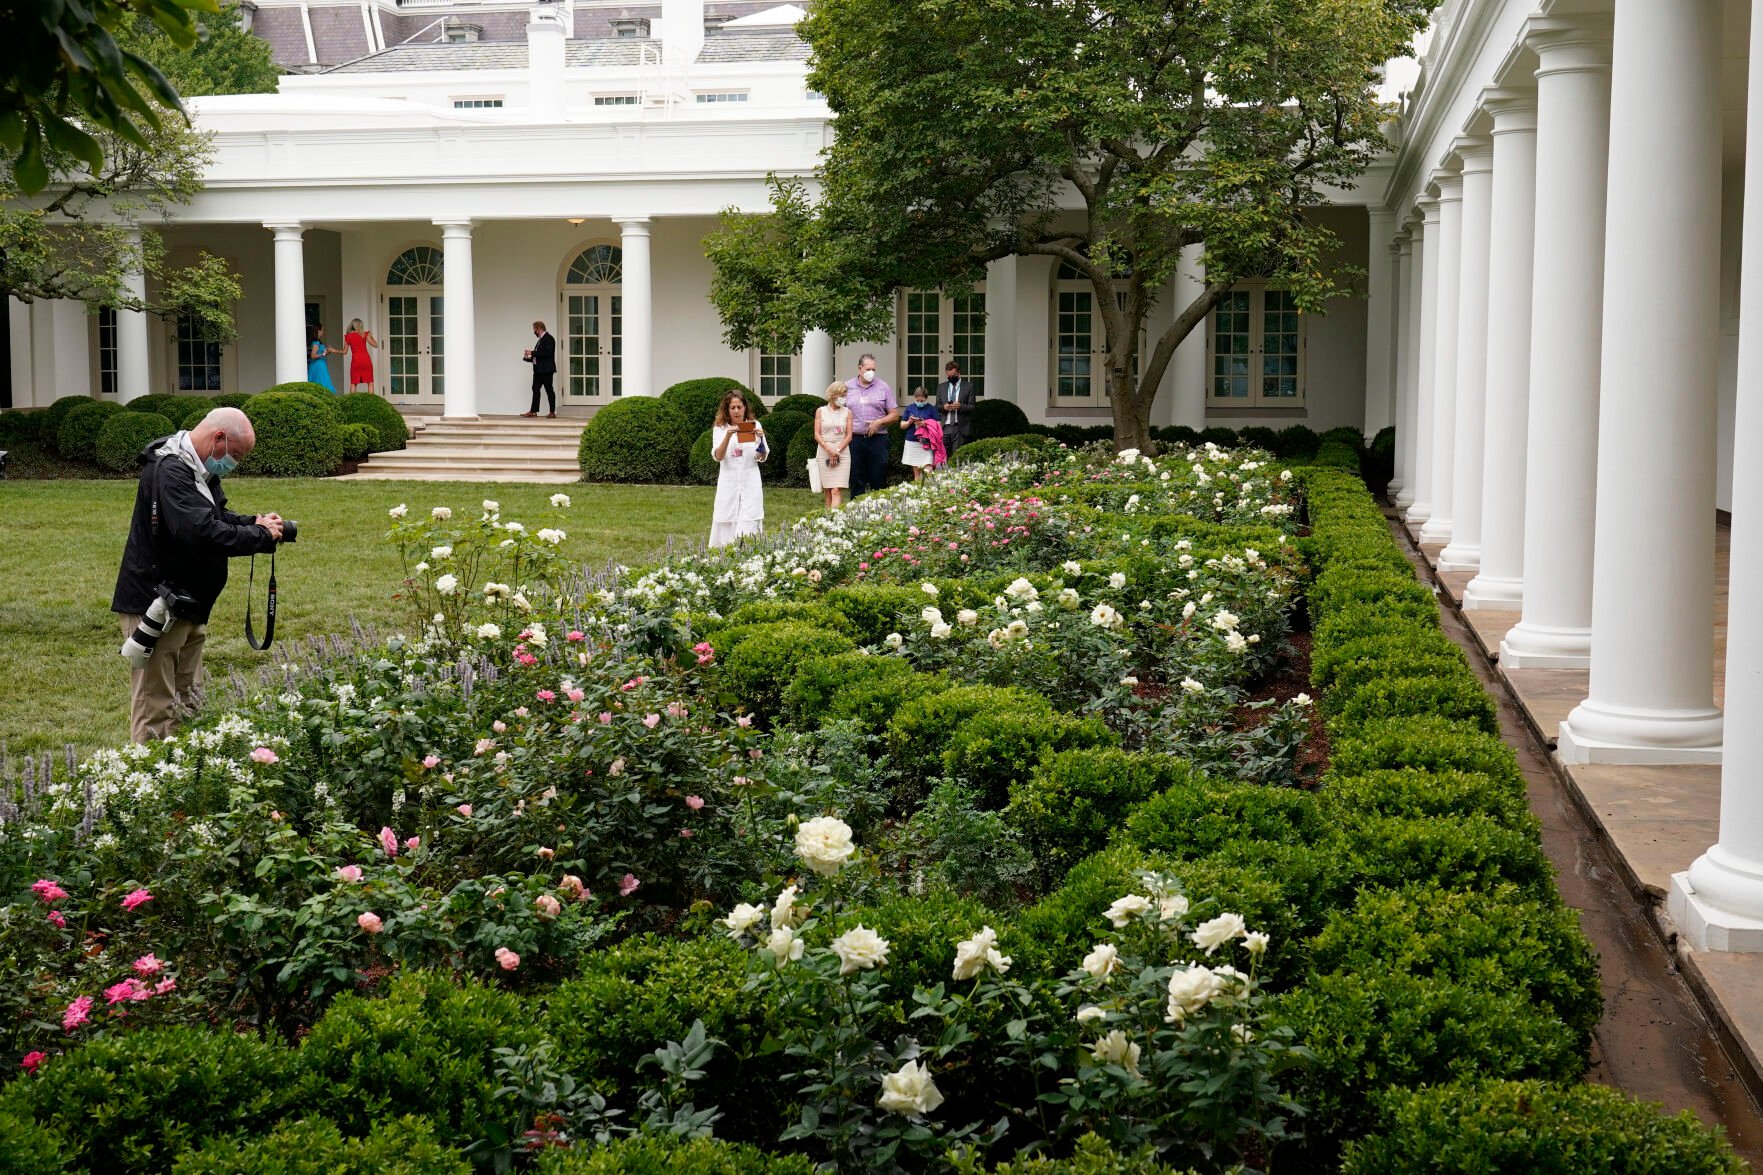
[[60, 542]]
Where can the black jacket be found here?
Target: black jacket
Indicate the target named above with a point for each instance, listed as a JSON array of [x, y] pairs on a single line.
[[965, 397], [196, 537], [544, 356]]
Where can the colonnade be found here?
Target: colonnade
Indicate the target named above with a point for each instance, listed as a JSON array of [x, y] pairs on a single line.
[[1555, 313]]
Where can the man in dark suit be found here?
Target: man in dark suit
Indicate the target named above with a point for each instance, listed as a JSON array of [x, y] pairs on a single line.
[[955, 397], [543, 357]]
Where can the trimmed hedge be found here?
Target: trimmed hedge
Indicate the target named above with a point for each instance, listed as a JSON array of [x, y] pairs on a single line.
[[1074, 799], [813, 693], [53, 416], [802, 402], [636, 439], [802, 448], [125, 434], [665, 1154], [170, 405], [781, 428], [1026, 443], [313, 1146], [359, 440], [695, 400], [875, 608], [762, 659], [701, 465], [78, 438], [379, 414], [993, 751], [993, 417], [298, 435]]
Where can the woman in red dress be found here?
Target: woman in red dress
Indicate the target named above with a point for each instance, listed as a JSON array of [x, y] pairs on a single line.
[[358, 340]]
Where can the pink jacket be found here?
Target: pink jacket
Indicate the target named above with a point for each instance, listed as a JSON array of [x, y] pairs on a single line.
[[929, 433]]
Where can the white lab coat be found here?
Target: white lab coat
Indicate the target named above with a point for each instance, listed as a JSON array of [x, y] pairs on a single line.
[[740, 496]]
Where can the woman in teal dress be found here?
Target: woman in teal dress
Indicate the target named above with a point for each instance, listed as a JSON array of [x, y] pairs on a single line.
[[318, 368]]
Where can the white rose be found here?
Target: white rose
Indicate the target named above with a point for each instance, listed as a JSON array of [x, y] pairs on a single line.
[[1225, 621], [1255, 942], [1021, 589], [1122, 912], [785, 911], [1069, 599], [1187, 610], [931, 616], [1105, 617], [1072, 567], [492, 507], [515, 527], [742, 919], [552, 536], [1117, 581], [909, 1090], [561, 501], [1241, 1033], [1127, 456], [420, 568], [784, 946], [824, 844], [967, 616], [974, 955], [441, 553], [441, 513], [1190, 991], [446, 585], [860, 949], [1234, 642], [524, 604], [497, 591], [1116, 1049], [1215, 932], [1301, 700], [1090, 1012], [398, 511], [894, 640], [940, 631], [1102, 962], [1016, 630], [1171, 906], [929, 589], [488, 632]]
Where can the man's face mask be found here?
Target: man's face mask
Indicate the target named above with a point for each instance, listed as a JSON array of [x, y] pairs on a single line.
[[868, 377], [220, 466]]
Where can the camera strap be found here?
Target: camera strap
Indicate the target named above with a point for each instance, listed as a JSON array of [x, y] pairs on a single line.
[[269, 608]]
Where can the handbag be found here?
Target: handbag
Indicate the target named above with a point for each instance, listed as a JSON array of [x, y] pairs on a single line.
[[814, 474]]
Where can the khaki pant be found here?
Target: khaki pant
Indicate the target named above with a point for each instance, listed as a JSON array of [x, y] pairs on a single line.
[[163, 693]]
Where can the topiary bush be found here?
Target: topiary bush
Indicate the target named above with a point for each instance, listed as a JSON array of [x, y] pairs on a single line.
[[1219, 435], [782, 427], [802, 402], [1495, 1127], [1335, 455], [1072, 800], [313, 1146], [764, 658], [426, 1046], [298, 435], [55, 414], [796, 611], [666, 1154], [1413, 793], [701, 464], [1023, 444], [359, 440], [170, 405], [1461, 852], [78, 438], [1431, 744], [695, 400], [317, 391], [240, 399], [1198, 816], [1456, 698], [193, 420], [636, 439], [1259, 436], [128, 1103], [803, 448], [997, 418], [125, 434], [875, 608], [385, 420], [1296, 442], [992, 751], [922, 728]]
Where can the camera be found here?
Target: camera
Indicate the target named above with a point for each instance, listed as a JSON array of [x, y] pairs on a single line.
[[168, 604], [290, 530]]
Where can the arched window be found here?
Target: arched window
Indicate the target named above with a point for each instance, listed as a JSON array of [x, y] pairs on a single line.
[[415, 335], [421, 265], [593, 322]]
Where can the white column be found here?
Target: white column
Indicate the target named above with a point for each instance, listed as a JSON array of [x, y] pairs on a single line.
[[1403, 249], [1464, 551], [1718, 903], [1001, 366], [1443, 442], [817, 362], [1426, 249], [1561, 433], [290, 302], [1189, 362], [132, 376], [459, 389], [1511, 243], [639, 308], [1652, 676], [1380, 340]]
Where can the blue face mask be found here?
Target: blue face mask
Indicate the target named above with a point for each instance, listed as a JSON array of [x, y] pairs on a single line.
[[219, 466]]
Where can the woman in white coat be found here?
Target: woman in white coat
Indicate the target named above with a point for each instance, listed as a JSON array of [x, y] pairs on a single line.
[[737, 441]]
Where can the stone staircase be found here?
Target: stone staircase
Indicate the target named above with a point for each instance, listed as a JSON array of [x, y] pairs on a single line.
[[491, 448]]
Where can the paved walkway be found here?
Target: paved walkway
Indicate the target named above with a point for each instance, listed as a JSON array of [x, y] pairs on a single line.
[[1649, 822]]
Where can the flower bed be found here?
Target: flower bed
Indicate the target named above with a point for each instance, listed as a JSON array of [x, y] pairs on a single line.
[[955, 821]]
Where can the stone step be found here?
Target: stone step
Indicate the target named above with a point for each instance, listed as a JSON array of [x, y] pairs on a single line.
[[455, 473], [438, 461], [470, 449], [498, 448], [462, 436]]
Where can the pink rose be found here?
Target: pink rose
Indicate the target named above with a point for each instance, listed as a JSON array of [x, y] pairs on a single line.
[[605, 718], [526, 659], [651, 720], [464, 810], [549, 907], [572, 885], [499, 726], [694, 802], [164, 986], [57, 920], [135, 899], [521, 712], [546, 695], [575, 635], [47, 891], [676, 709], [369, 922], [617, 767], [350, 873], [687, 833], [147, 966], [131, 990], [76, 1013], [33, 1061], [546, 853], [628, 885], [389, 841], [507, 958], [431, 761], [744, 720], [574, 695], [413, 843], [265, 755]]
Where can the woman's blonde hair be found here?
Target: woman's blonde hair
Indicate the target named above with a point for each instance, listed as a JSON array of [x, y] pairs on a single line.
[[355, 324], [836, 388]]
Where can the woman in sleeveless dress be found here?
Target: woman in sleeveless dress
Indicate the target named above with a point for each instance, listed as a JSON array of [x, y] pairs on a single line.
[[318, 368], [832, 435], [358, 340]]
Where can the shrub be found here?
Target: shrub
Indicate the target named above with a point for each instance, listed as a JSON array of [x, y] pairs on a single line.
[[1178, 434], [1021, 444], [298, 435], [764, 657], [1092, 1156], [663, 1154], [55, 414], [803, 449], [806, 404], [78, 438], [1398, 665], [1459, 852], [1196, 816], [808, 699], [359, 440], [924, 726], [993, 750], [1499, 938], [306, 388], [170, 405], [1489, 1128], [872, 702], [636, 439], [25, 1146], [385, 420], [993, 417], [1295, 443], [781, 428], [424, 1047], [798, 611], [22, 425], [129, 1103], [695, 400], [1335, 455], [1067, 807], [1219, 435], [1330, 658], [240, 399], [701, 464], [1459, 699], [313, 1146], [1431, 744], [190, 422], [1424, 793], [1345, 434], [1260, 436], [125, 434], [876, 608]]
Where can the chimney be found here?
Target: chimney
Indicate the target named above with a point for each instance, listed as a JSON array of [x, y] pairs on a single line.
[[545, 38], [682, 31]]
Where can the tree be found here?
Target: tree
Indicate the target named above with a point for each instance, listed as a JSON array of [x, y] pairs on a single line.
[[225, 59], [1107, 135], [65, 82]]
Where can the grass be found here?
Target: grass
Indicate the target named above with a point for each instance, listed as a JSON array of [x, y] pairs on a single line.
[[61, 679]]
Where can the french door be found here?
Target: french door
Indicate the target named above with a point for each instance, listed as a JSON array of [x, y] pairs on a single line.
[[936, 327], [594, 327], [415, 345]]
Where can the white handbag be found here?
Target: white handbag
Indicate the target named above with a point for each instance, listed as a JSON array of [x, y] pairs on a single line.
[[814, 474]]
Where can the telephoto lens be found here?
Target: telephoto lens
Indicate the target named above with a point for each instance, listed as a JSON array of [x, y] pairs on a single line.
[[290, 530], [138, 649]]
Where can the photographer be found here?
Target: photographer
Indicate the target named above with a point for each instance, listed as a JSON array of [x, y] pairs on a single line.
[[175, 564]]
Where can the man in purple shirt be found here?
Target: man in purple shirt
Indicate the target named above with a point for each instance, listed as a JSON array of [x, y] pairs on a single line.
[[873, 411]]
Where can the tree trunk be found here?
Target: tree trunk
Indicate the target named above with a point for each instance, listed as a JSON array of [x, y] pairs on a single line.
[[1132, 414]]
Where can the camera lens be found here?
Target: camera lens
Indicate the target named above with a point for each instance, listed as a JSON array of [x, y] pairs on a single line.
[[290, 530]]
